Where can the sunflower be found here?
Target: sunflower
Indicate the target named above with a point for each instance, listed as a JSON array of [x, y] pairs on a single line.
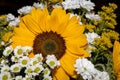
[[116, 58], [53, 33]]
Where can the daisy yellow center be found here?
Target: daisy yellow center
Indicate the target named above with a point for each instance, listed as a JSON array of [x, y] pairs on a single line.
[[16, 69], [49, 43], [5, 77], [19, 51], [46, 72], [24, 62], [37, 69], [52, 63], [29, 70]]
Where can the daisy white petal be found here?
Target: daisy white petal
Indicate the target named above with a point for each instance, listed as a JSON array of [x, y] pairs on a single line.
[[52, 61], [5, 68], [101, 75], [92, 16], [91, 37], [33, 61], [24, 61], [38, 5], [46, 71], [87, 4], [85, 68], [18, 78], [14, 59], [15, 22], [15, 68], [38, 68], [29, 70], [18, 51], [25, 10], [7, 51], [27, 49], [10, 17], [5, 76], [39, 57], [47, 78]]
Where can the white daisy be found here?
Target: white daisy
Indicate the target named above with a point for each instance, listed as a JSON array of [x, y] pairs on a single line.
[[86, 4], [71, 4], [18, 51], [57, 6], [25, 10], [38, 68], [5, 68], [33, 61], [92, 16], [7, 51], [101, 75], [14, 59], [47, 78], [5, 76], [52, 61], [10, 17], [29, 69], [15, 67], [27, 77], [18, 78], [15, 22], [24, 61], [85, 68], [91, 37], [46, 71], [27, 49], [38, 5], [39, 57]]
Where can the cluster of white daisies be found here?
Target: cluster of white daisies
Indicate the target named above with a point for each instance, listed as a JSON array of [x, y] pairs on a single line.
[[67, 4], [20, 62]]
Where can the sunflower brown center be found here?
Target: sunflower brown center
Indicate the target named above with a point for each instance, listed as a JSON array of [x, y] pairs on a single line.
[[49, 43]]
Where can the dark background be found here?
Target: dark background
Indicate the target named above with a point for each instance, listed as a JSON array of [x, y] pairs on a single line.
[[11, 6]]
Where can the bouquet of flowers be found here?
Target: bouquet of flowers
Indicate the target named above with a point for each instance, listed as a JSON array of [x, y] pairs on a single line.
[[59, 40]]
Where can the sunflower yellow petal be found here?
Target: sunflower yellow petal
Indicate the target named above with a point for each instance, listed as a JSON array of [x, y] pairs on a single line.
[[116, 58], [22, 29], [60, 20], [43, 18], [67, 63], [22, 36], [73, 29], [118, 76], [60, 75], [31, 24], [64, 22]]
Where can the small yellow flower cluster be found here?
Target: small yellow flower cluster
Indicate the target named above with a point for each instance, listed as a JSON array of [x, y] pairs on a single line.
[[110, 9], [103, 42], [90, 27], [108, 16], [112, 35], [5, 30], [2, 20]]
